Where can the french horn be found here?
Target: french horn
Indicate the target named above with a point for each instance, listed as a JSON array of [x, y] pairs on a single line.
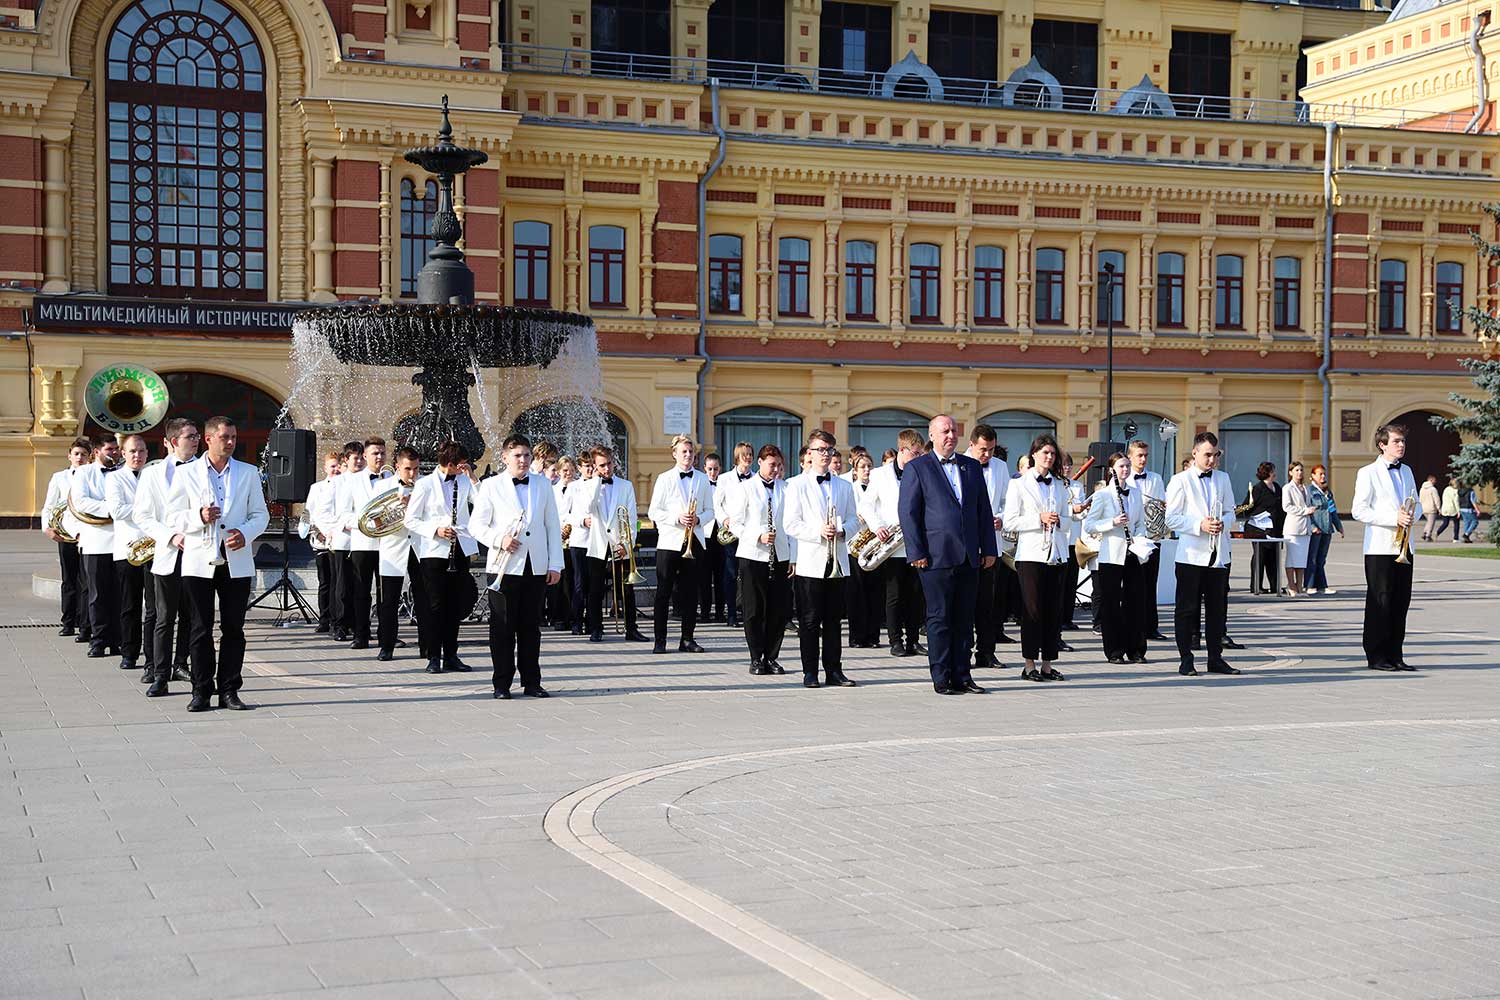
[[56, 524], [126, 399]]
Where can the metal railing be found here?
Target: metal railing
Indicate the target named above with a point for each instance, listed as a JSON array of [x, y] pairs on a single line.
[[918, 84]]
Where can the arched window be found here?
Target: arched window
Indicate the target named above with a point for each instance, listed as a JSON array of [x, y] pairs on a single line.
[[1287, 307], [1049, 278], [606, 267], [1450, 297], [926, 262], [572, 425], [989, 286], [200, 395], [859, 280], [877, 429], [761, 425], [792, 276], [416, 218], [1250, 439], [532, 264], [1128, 427], [725, 273], [1014, 430], [1169, 277], [1111, 305], [1392, 296], [186, 108], [1229, 292]]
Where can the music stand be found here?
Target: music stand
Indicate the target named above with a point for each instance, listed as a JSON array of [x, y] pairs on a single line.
[[290, 602]]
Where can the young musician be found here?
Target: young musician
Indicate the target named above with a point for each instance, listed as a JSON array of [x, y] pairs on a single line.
[[605, 551], [880, 510], [818, 511], [866, 588], [437, 517], [132, 583], [756, 509], [682, 507], [216, 511], [515, 516], [151, 509], [1118, 571], [1073, 522], [321, 498], [990, 598], [1151, 487], [330, 520], [744, 460], [1381, 492], [1035, 506], [559, 597], [711, 579], [364, 551], [96, 545], [74, 606], [398, 560], [575, 551], [1200, 508]]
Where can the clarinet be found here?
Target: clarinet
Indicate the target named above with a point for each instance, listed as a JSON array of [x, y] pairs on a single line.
[[771, 527], [456, 560], [1124, 509]]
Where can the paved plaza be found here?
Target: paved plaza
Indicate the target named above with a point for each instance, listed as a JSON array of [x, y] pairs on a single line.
[[669, 826]]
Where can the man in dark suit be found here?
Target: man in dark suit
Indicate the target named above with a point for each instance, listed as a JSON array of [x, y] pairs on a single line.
[[950, 536]]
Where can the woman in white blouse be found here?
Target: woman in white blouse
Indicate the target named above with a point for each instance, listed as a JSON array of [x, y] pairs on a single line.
[[1298, 505], [1034, 507]]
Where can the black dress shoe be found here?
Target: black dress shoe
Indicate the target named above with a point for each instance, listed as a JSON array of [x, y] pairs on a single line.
[[199, 703], [81, 637], [502, 695], [839, 680], [578, 630], [456, 666], [1384, 666], [1157, 636], [147, 674], [1135, 658], [1002, 637], [126, 663], [916, 649], [1220, 667], [232, 702], [690, 646], [947, 689], [898, 649], [535, 692], [973, 688], [1116, 658], [182, 673], [1052, 675], [596, 637], [660, 647], [994, 662], [1188, 670], [400, 643], [810, 682], [434, 666], [385, 655], [1032, 675], [1063, 647], [97, 652], [321, 630], [1403, 665], [759, 669], [66, 630], [360, 644], [340, 635], [1229, 643], [774, 667], [157, 689], [636, 637]]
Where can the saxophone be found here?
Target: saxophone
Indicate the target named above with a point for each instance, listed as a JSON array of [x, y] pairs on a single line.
[[1403, 533]]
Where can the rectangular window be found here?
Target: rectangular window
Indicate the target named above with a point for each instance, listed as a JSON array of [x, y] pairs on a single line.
[[1392, 307], [1069, 50], [989, 286], [963, 45], [533, 264], [854, 44], [417, 211], [793, 277], [631, 38], [1169, 290], [1450, 296], [1287, 292], [744, 35], [725, 255], [859, 280], [926, 268], [1111, 294], [1049, 278], [1199, 74], [1229, 292], [606, 267]]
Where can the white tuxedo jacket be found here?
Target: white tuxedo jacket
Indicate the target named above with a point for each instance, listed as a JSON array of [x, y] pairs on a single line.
[[58, 489], [806, 512], [1099, 520], [395, 547], [997, 482], [152, 497], [668, 502], [1186, 509], [87, 493], [744, 503], [878, 505], [1150, 486], [323, 511], [244, 510], [1025, 502], [120, 490], [431, 508], [497, 513], [599, 503], [1377, 501], [355, 490]]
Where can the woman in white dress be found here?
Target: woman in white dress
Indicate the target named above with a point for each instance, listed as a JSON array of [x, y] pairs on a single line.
[[1298, 505]]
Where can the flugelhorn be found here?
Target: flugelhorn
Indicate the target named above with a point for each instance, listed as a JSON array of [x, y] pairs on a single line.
[[1403, 532], [687, 541]]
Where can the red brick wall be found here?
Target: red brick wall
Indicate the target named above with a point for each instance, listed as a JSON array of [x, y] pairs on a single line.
[[678, 201], [21, 160], [356, 228]]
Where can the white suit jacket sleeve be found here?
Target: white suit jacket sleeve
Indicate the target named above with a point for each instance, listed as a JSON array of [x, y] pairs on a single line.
[[1181, 518]]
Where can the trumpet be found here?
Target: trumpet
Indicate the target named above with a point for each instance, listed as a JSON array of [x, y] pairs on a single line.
[[516, 528], [1403, 533], [1049, 532], [833, 571], [687, 541], [1216, 511]]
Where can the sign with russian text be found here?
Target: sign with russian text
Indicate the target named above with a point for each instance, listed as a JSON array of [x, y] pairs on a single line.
[[77, 312]]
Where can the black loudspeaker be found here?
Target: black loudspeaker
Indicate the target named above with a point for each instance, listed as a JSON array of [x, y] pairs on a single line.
[[291, 464], [1100, 451]]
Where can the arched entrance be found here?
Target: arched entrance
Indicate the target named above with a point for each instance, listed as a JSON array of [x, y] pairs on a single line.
[[1146, 426], [877, 429], [200, 395], [572, 425], [1250, 439], [760, 425], [1429, 451]]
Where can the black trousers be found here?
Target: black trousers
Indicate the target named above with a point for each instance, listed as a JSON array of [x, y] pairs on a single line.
[[516, 629], [730, 575], [820, 616], [866, 593], [173, 619], [768, 607], [1067, 592], [601, 578], [677, 585], [1120, 596], [81, 609], [560, 596], [711, 580], [137, 610], [1007, 596], [904, 604], [577, 579], [988, 618], [345, 586], [1040, 584], [104, 602], [387, 624], [67, 558], [324, 560], [365, 568], [1205, 585], [450, 598], [221, 674], [1152, 569], [1387, 600]]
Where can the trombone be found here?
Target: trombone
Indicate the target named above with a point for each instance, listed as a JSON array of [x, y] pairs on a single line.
[[620, 582]]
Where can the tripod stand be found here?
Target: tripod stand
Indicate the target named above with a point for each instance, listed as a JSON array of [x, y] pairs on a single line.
[[290, 605]]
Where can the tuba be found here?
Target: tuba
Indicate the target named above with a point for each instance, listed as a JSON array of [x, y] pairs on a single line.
[[384, 515], [126, 399]]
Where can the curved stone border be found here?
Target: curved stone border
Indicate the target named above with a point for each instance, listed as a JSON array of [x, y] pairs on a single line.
[[570, 824]]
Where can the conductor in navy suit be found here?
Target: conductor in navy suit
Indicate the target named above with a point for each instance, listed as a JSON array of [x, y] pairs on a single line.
[[950, 535]]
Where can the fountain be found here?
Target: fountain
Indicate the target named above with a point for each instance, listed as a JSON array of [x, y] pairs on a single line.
[[445, 336]]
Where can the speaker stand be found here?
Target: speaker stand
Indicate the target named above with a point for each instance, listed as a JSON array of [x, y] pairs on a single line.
[[290, 604]]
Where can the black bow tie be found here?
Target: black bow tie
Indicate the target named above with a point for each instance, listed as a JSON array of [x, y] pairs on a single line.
[[449, 477], [1140, 475], [744, 475], [898, 471], [1394, 465], [984, 465], [374, 476], [1124, 491], [108, 468], [770, 485], [1205, 475], [607, 480], [1044, 480], [685, 475], [823, 478], [522, 481], [136, 473], [949, 460]]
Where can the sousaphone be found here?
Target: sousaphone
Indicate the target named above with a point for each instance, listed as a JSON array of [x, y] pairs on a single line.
[[126, 398]]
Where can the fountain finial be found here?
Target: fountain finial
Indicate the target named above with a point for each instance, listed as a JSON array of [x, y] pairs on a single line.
[[445, 134]]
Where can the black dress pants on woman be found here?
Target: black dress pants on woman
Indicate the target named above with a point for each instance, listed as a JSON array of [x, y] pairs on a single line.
[[1041, 585]]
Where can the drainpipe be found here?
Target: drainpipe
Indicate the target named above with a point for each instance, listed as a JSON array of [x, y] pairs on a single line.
[[1480, 23], [1330, 137], [713, 168]]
